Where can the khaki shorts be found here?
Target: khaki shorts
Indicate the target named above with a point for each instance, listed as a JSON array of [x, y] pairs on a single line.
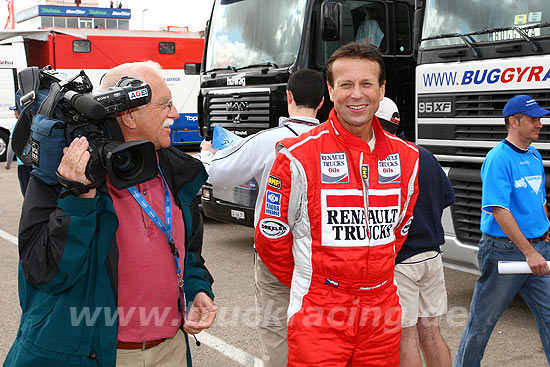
[[421, 287]]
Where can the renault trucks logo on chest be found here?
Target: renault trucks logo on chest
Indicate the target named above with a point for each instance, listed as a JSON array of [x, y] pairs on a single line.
[[343, 217], [389, 170], [138, 94], [334, 168]]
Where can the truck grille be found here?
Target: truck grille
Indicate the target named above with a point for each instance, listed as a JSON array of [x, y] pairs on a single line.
[[491, 104], [466, 211], [479, 106], [482, 152], [240, 109]]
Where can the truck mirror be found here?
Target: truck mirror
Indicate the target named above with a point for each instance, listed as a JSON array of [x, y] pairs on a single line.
[[331, 13], [192, 68]]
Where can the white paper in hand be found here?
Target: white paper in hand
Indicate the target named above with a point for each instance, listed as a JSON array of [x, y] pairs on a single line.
[[514, 267], [224, 138]]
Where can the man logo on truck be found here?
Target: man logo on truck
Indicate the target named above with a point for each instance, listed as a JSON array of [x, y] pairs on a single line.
[[236, 106]]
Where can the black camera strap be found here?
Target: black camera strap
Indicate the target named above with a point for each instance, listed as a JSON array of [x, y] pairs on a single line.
[[29, 82], [50, 102], [73, 187]]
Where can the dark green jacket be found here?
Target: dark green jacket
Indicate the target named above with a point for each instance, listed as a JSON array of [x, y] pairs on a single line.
[[68, 269]]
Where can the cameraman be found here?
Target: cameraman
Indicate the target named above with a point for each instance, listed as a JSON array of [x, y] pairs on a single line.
[[99, 280]]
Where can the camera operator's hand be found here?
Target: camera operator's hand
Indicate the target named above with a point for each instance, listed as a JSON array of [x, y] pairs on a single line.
[[200, 315], [73, 164]]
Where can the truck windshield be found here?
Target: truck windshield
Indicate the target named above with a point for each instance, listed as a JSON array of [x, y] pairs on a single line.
[[493, 19], [254, 32]]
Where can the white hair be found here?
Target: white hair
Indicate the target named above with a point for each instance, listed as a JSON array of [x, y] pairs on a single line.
[[136, 70]]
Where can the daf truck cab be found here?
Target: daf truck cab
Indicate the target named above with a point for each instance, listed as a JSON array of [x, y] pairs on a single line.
[[473, 57]]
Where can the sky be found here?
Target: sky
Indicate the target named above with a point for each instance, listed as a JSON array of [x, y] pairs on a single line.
[[153, 14]]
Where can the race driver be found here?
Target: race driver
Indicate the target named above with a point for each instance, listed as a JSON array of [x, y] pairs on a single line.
[[312, 234]]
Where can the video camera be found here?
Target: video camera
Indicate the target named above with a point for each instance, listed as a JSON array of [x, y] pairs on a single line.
[[68, 109]]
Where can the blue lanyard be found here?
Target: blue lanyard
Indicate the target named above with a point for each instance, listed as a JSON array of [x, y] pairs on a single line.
[[165, 228]]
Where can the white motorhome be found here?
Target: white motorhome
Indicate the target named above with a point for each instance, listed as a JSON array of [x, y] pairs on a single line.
[[96, 51]]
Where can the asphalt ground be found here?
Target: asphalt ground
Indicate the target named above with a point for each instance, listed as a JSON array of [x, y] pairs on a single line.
[[232, 341]]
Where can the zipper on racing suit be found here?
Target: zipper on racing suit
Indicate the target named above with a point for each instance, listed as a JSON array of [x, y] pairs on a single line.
[[364, 171]]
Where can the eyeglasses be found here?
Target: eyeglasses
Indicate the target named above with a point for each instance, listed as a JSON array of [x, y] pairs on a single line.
[[165, 105]]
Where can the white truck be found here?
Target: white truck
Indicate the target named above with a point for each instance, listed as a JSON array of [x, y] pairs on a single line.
[[473, 57]]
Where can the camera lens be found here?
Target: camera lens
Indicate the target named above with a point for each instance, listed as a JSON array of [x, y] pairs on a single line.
[[128, 164]]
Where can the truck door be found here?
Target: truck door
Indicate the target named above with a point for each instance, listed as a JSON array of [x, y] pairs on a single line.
[[388, 25]]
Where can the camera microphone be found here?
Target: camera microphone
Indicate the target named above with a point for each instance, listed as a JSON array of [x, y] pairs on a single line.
[[85, 105]]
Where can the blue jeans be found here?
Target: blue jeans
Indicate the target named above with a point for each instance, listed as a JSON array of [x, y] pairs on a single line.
[[494, 292]]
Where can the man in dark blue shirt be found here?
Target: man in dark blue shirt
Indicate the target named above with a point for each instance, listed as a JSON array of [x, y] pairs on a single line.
[[419, 269]]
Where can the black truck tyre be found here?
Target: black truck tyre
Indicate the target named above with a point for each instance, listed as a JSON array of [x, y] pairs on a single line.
[[4, 140]]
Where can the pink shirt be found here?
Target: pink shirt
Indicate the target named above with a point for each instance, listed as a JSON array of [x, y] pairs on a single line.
[[147, 283]]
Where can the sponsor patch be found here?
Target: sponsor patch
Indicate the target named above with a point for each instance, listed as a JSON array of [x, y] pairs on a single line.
[[273, 228], [331, 283], [534, 182], [334, 168], [406, 227], [273, 203], [35, 152], [518, 184], [138, 94], [343, 217], [389, 169], [274, 182], [365, 172]]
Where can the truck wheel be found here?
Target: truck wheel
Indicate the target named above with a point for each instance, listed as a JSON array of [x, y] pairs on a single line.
[[4, 139]]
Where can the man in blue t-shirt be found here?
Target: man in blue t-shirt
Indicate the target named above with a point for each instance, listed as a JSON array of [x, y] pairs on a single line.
[[514, 223]]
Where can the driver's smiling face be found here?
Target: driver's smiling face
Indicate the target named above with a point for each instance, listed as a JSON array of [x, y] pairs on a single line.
[[357, 91]]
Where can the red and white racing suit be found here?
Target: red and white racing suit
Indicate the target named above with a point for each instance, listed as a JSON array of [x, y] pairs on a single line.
[[312, 235]]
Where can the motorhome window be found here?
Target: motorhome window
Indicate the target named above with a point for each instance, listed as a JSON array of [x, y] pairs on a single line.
[[82, 46], [244, 33], [403, 29], [444, 17], [167, 48]]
